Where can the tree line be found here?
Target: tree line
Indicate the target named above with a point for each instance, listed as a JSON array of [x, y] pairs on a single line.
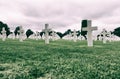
[[30, 32]]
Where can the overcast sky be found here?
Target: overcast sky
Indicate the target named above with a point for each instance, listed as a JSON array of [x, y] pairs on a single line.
[[60, 14]]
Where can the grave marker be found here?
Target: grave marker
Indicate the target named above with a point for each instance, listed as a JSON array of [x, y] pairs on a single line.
[[110, 36], [21, 33], [74, 35], [89, 30], [46, 30], [53, 36], [3, 34], [37, 35], [104, 32]]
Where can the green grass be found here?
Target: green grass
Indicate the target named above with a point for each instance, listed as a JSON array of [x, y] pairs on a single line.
[[60, 59]]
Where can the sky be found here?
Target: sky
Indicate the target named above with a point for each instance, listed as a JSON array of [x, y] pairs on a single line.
[[60, 14]]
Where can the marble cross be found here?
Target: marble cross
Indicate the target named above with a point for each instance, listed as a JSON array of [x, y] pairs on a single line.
[[46, 30], [37, 35], [104, 35], [89, 30], [21, 33], [53, 35], [110, 36], [13, 35], [3, 34], [70, 36], [74, 35]]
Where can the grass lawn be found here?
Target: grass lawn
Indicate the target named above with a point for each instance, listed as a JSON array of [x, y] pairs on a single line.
[[60, 59]]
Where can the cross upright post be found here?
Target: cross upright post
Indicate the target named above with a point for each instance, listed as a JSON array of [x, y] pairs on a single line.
[[74, 35], [46, 30], [21, 33], [53, 35], [3, 34], [104, 32]]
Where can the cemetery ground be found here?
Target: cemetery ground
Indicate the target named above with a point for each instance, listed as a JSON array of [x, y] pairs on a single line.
[[60, 59]]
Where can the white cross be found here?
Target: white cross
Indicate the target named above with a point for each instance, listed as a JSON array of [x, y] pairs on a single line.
[[89, 30], [37, 35], [3, 34], [46, 30], [21, 32], [110, 36], [53, 35], [74, 35], [104, 35], [69, 36], [13, 35]]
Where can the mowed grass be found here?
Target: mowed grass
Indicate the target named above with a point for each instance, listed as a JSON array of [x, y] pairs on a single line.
[[61, 59]]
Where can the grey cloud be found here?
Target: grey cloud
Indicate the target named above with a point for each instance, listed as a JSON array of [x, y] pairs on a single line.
[[62, 13], [70, 10], [99, 11]]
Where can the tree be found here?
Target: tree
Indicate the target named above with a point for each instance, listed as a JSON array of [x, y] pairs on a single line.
[[50, 32], [78, 33], [60, 34], [29, 32], [41, 33], [117, 31], [16, 30], [67, 32], [84, 24], [6, 28]]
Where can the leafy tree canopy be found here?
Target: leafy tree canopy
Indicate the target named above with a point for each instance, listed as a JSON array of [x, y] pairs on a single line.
[[6, 28], [117, 31], [29, 32]]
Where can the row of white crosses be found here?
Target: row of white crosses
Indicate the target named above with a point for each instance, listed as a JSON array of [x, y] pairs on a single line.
[[89, 30], [21, 32]]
